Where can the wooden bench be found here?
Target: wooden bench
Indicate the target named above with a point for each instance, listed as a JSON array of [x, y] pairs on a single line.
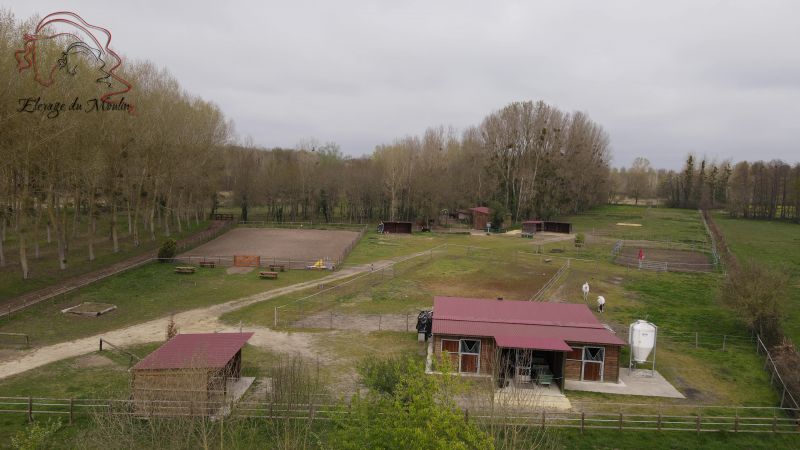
[[277, 267], [268, 275], [184, 269], [208, 264]]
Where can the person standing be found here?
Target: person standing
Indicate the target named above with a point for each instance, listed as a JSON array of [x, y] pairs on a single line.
[[601, 303]]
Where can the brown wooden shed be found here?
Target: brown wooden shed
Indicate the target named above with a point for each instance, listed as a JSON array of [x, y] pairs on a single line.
[[188, 375], [558, 227], [393, 227], [480, 217]]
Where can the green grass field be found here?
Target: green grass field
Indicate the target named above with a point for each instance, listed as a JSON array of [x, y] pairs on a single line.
[[656, 223], [45, 271], [774, 244], [140, 294], [481, 266]]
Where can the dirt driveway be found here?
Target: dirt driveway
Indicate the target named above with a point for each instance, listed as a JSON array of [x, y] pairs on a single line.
[[193, 321]]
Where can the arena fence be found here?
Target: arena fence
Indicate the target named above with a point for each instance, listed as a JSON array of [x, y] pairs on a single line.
[[662, 266], [583, 415]]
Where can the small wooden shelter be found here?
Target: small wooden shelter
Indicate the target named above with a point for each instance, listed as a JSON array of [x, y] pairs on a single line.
[[393, 227], [188, 375], [480, 217], [531, 227]]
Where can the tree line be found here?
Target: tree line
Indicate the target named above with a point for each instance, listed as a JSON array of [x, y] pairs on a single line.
[[159, 157], [759, 189], [153, 166], [527, 160]]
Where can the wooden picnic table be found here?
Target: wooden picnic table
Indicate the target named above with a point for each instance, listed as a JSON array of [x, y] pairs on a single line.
[[268, 275], [208, 264], [277, 267], [184, 269]]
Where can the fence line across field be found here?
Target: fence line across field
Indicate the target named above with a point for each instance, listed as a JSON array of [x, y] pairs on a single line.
[[588, 415], [538, 295]]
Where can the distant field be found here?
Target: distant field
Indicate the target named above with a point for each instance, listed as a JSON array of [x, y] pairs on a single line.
[[775, 244], [656, 223]]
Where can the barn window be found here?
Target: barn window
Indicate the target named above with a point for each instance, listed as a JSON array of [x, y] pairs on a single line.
[[470, 355], [464, 354]]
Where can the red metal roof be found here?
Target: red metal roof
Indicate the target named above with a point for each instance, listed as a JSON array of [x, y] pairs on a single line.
[[535, 343], [480, 209], [195, 351], [568, 322]]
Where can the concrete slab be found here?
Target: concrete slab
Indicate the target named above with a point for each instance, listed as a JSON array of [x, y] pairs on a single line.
[[639, 383], [236, 388], [532, 397]]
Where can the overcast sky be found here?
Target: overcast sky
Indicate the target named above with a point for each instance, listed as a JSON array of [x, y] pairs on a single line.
[[718, 78]]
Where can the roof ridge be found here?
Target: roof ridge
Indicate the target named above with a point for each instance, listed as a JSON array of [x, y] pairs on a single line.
[[523, 322]]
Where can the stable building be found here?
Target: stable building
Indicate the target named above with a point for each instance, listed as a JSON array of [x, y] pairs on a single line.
[[524, 341], [190, 374]]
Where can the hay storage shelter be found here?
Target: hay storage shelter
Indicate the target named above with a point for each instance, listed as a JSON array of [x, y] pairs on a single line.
[[558, 227], [532, 227], [190, 374], [524, 342], [393, 227]]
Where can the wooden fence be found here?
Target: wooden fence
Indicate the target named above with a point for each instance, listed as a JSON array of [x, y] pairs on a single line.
[[647, 418]]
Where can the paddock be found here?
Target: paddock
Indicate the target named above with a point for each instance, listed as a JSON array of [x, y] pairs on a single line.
[[294, 248], [663, 260]]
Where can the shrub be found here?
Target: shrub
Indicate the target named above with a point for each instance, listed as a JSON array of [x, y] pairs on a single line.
[[168, 250], [384, 375], [36, 436], [580, 239], [758, 294]]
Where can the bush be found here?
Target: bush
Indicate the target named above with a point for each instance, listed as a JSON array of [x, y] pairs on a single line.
[[420, 413], [384, 375], [758, 294], [580, 239], [168, 250], [36, 436]]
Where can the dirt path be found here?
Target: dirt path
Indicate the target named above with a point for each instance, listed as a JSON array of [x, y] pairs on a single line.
[[31, 298], [192, 321]]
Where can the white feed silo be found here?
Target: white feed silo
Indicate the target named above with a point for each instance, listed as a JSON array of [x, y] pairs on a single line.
[[642, 340]]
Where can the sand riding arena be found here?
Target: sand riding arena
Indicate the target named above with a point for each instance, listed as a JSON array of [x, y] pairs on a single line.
[[661, 258], [293, 248]]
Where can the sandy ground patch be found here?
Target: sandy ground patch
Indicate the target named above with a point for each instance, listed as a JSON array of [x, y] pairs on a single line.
[[93, 360], [358, 322], [238, 270], [278, 244]]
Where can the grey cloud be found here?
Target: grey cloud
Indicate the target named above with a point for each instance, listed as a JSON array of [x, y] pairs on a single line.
[[713, 77]]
